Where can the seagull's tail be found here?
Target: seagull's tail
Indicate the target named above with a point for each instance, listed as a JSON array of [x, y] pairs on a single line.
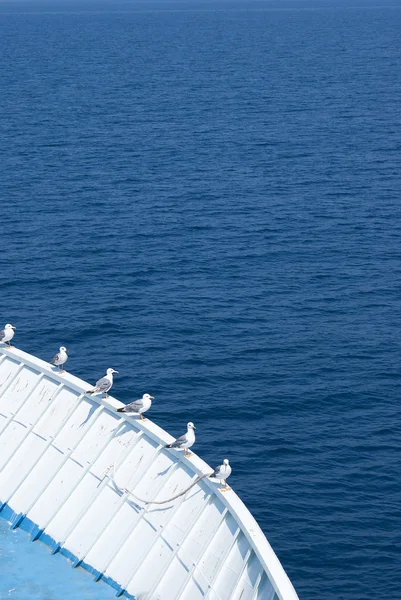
[[123, 409], [89, 392]]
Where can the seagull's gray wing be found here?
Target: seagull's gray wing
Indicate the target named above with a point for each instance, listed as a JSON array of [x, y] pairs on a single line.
[[2, 334], [179, 441], [133, 407], [103, 385], [217, 471], [55, 358]]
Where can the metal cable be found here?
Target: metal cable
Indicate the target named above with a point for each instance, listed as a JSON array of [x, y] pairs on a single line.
[[197, 480]]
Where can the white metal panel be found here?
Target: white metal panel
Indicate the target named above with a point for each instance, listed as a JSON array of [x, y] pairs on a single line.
[[245, 589], [213, 559], [266, 590], [112, 539], [77, 504], [79, 421], [21, 463], [138, 462], [155, 475], [103, 499], [68, 474], [53, 419], [202, 531], [117, 449], [84, 486], [230, 570], [89, 447], [19, 428], [102, 502], [117, 528], [35, 444], [47, 465], [35, 484], [196, 546], [18, 389], [181, 522], [151, 566], [39, 401], [8, 369], [53, 498], [161, 551], [193, 591], [173, 580], [149, 521], [175, 573]]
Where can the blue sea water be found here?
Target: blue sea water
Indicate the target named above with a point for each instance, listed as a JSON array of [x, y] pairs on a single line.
[[207, 197]]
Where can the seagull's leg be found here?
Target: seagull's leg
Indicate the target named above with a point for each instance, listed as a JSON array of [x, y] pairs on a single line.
[[225, 488], [142, 417]]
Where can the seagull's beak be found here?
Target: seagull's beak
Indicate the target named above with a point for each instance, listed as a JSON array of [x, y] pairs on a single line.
[[12, 327], [115, 371], [193, 427], [152, 397]]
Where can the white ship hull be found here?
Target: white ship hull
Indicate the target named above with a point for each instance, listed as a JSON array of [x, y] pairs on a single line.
[[57, 450]]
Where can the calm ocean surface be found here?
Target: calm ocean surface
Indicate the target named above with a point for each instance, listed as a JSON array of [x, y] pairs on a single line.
[[208, 199]]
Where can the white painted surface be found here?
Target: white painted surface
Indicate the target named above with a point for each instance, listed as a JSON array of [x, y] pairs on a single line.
[[56, 445]]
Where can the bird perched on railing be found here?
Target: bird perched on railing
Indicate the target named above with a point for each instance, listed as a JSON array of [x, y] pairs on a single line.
[[7, 334], [104, 384], [223, 472], [184, 441], [138, 406], [60, 359]]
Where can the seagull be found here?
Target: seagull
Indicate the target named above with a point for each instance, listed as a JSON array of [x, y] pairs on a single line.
[[138, 406], [104, 384], [184, 441], [60, 359], [223, 472], [7, 334]]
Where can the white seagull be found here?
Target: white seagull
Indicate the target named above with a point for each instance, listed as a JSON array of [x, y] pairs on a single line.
[[185, 441], [223, 472], [7, 334], [60, 358], [104, 384], [138, 406]]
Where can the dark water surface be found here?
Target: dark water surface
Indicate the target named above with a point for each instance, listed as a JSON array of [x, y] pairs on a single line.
[[208, 200]]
